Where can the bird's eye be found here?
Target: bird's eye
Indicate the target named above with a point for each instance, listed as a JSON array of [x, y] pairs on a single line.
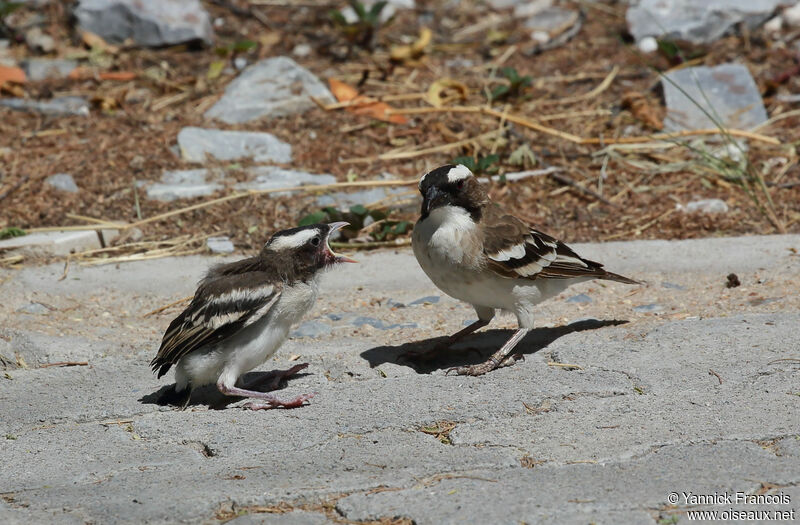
[[460, 184], [315, 241]]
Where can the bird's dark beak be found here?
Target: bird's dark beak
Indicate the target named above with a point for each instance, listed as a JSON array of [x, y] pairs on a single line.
[[332, 257], [434, 198]]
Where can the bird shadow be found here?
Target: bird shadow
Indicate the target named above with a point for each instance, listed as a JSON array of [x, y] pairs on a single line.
[[209, 395], [481, 346]]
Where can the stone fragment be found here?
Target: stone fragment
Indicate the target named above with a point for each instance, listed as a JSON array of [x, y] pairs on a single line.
[[430, 299], [580, 298], [651, 308], [706, 206], [34, 308], [43, 68], [698, 22], [62, 106], [220, 244], [551, 22], [273, 87], [273, 177], [197, 143], [727, 92], [63, 182], [151, 23], [38, 40], [57, 243], [182, 184]]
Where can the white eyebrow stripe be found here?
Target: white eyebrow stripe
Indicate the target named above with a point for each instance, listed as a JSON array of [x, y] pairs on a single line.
[[294, 240], [458, 173]]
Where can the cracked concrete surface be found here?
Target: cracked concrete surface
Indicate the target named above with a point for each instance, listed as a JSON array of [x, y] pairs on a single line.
[[599, 423]]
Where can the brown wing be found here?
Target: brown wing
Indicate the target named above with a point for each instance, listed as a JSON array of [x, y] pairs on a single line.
[[225, 303], [515, 250]]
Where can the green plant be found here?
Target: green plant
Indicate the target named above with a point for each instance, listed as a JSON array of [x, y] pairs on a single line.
[[377, 222], [11, 231], [478, 165], [515, 87], [363, 31]]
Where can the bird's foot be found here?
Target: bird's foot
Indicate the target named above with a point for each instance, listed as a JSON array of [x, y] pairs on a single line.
[[277, 403], [482, 368]]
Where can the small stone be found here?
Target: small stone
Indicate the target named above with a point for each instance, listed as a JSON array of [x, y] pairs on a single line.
[[301, 50], [726, 91], [34, 308], [580, 298], [370, 321], [273, 87], [56, 243], [61, 106], [240, 63], [149, 23], [550, 22], [647, 45], [391, 303], [273, 177], [673, 286], [459, 63], [43, 68], [220, 244], [37, 40], [428, 299], [312, 329], [182, 184], [63, 182], [706, 206], [648, 308], [197, 143]]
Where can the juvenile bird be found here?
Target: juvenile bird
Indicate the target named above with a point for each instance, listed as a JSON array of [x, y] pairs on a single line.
[[242, 312], [475, 252]]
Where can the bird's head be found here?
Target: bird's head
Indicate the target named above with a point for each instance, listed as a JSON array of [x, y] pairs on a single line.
[[307, 246], [452, 185]]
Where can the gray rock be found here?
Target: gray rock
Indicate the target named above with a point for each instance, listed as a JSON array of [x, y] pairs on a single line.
[[550, 22], [379, 324], [240, 63], [301, 50], [56, 243], [312, 329], [648, 308], [344, 200], [706, 206], [62, 106], [673, 286], [273, 87], [220, 245], [150, 23], [727, 92], [43, 68], [34, 308], [182, 184], [273, 177], [430, 299], [197, 143], [698, 22], [580, 298], [63, 182]]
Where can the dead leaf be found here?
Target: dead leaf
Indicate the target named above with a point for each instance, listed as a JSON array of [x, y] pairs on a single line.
[[414, 51], [12, 74], [444, 90], [363, 105], [94, 41], [122, 76], [643, 110]]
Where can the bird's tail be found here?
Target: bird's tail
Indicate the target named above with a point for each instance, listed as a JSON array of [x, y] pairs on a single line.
[[608, 276]]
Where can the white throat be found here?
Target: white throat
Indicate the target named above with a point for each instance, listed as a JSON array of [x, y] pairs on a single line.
[[445, 233]]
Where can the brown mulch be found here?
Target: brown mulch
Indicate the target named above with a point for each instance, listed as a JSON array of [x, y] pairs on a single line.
[[126, 140]]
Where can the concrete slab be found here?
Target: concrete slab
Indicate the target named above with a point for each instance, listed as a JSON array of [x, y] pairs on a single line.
[[698, 397]]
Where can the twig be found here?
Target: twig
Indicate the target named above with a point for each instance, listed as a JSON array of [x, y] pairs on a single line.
[[65, 363], [602, 86], [421, 152], [712, 373], [639, 230], [22, 180], [566, 180], [170, 305], [66, 268]]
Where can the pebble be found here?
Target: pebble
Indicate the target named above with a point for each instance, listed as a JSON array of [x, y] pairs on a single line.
[[706, 206], [220, 244], [63, 182], [43, 68], [198, 143], [273, 177], [580, 298], [34, 308], [380, 325], [647, 45], [648, 308], [428, 299], [61, 106], [673, 286]]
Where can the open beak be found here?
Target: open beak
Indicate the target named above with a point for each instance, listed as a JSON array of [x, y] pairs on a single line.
[[333, 256]]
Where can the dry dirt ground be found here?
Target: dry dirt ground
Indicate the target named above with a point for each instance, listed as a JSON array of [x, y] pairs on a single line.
[[633, 193]]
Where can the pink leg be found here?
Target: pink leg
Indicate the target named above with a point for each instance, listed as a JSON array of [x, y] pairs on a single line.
[[270, 401], [273, 378]]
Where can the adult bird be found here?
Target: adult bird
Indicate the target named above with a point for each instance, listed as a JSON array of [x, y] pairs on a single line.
[[475, 252], [242, 312]]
